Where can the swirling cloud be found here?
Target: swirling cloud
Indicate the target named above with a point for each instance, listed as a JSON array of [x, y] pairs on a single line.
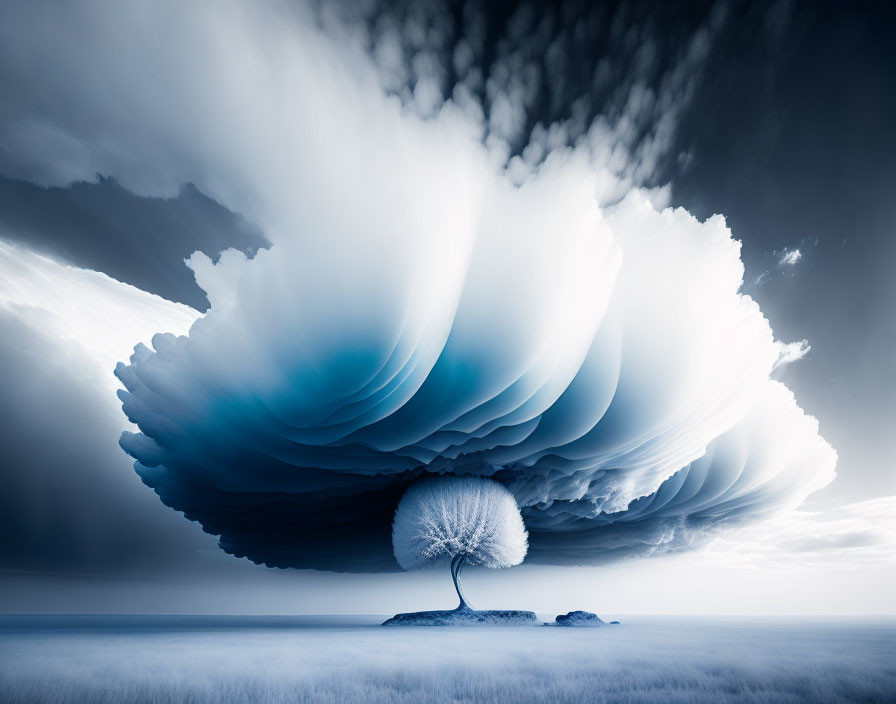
[[430, 303], [602, 364]]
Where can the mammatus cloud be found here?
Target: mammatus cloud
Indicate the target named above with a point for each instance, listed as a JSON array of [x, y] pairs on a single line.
[[426, 307]]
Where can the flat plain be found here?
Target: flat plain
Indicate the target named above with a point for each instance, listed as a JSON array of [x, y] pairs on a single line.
[[204, 659]]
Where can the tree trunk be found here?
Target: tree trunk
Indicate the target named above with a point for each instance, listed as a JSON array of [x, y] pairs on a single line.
[[457, 563]]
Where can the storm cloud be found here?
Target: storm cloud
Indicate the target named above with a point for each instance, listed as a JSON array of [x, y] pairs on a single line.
[[627, 411], [439, 297]]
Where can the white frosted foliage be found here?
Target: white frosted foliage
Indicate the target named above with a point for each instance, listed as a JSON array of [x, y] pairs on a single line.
[[442, 518]]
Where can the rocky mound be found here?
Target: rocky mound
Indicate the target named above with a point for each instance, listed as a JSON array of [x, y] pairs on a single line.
[[464, 617], [579, 618]]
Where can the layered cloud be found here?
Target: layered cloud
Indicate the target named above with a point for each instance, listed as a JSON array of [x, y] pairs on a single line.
[[610, 374], [430, 304]]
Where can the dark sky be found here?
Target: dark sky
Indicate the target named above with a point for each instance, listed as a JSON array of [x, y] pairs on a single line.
[[141, 241], [788, 133], [792, 139]]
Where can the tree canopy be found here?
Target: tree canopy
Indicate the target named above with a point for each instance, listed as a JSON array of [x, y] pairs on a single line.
[[443, 518]]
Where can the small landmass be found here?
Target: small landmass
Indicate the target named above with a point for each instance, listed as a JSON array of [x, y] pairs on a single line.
[[580, 619], [465, 617]]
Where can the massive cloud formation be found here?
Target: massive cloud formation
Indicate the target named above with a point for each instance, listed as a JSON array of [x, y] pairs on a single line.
[[430, 304], [610, 375]]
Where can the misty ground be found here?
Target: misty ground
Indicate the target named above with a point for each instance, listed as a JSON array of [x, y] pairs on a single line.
[[350, 659]]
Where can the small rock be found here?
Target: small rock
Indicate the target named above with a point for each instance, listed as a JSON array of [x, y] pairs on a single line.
[[579, 618]]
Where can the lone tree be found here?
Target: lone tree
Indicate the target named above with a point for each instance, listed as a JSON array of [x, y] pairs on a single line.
[[459, 520]]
